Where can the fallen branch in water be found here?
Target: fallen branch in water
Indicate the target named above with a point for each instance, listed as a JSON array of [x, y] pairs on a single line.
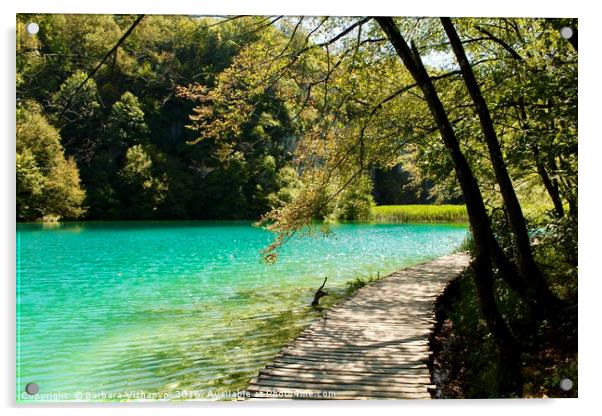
[[319, 293]]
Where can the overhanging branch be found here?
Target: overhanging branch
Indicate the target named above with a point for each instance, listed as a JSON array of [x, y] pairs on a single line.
[[104, 59]]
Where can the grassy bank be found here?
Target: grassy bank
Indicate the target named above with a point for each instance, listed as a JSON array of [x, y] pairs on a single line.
[[419, 213]]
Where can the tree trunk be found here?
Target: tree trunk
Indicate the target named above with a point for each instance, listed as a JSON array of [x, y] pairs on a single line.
[[550, 184], [570, 189], [527, 266], [477, 214]]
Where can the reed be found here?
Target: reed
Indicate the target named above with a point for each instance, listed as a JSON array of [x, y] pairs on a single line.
[[419, 213]]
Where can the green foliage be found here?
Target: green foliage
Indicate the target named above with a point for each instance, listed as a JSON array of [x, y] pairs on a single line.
[[356, 202], [79, 104], [288, 184], [473, 367], [419, 213], [358, 283], [48, 184], [126, 122], [143, 191], [468, 245], [30, 185], [556, 251], [132, 101]]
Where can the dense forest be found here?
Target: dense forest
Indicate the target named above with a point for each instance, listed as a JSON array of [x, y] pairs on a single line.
[[289, 119], [118, 147]]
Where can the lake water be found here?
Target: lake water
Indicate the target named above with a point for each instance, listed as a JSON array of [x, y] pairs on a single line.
[[151, 310]]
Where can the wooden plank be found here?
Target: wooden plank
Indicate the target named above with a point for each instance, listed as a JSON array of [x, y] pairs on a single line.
[[301, 394], [352, 392], [337, 383], [353, 370], [349, 324], [265, 382], [368, 354], [409, 363], [328, 384], [353, 359], [339, 346], [331, 338], [395, 349], [377, 379], [337, 365], [369, 333], [294, 368], [369, 336], [354, 319]]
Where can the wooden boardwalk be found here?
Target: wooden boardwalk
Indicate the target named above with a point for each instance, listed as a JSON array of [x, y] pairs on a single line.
[[372, 345]]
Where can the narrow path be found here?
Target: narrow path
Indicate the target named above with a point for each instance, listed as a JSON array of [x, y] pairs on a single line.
[[372, 345]]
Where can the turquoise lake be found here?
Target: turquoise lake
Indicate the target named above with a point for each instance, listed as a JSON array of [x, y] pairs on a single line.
[[157, 309]]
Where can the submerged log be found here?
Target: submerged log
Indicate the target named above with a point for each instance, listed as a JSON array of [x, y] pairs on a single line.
[[319, 293]]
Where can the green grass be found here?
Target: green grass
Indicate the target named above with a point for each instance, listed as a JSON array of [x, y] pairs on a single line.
[[358, 283], [419, 213]]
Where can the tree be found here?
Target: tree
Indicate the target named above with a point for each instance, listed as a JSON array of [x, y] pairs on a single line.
[[30, 185], [48, 184], [538, 289], [127, 126], [142, 191], [81, 115], [356, 202]]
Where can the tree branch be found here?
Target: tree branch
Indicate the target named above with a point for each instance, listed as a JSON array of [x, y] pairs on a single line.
[[500, 42], [104, 59]]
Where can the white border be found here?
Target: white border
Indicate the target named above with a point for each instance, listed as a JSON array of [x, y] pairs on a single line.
[[589, 173], [507, 8]]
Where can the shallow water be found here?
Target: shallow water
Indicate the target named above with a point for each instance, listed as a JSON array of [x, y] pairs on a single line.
[[156, 309]]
